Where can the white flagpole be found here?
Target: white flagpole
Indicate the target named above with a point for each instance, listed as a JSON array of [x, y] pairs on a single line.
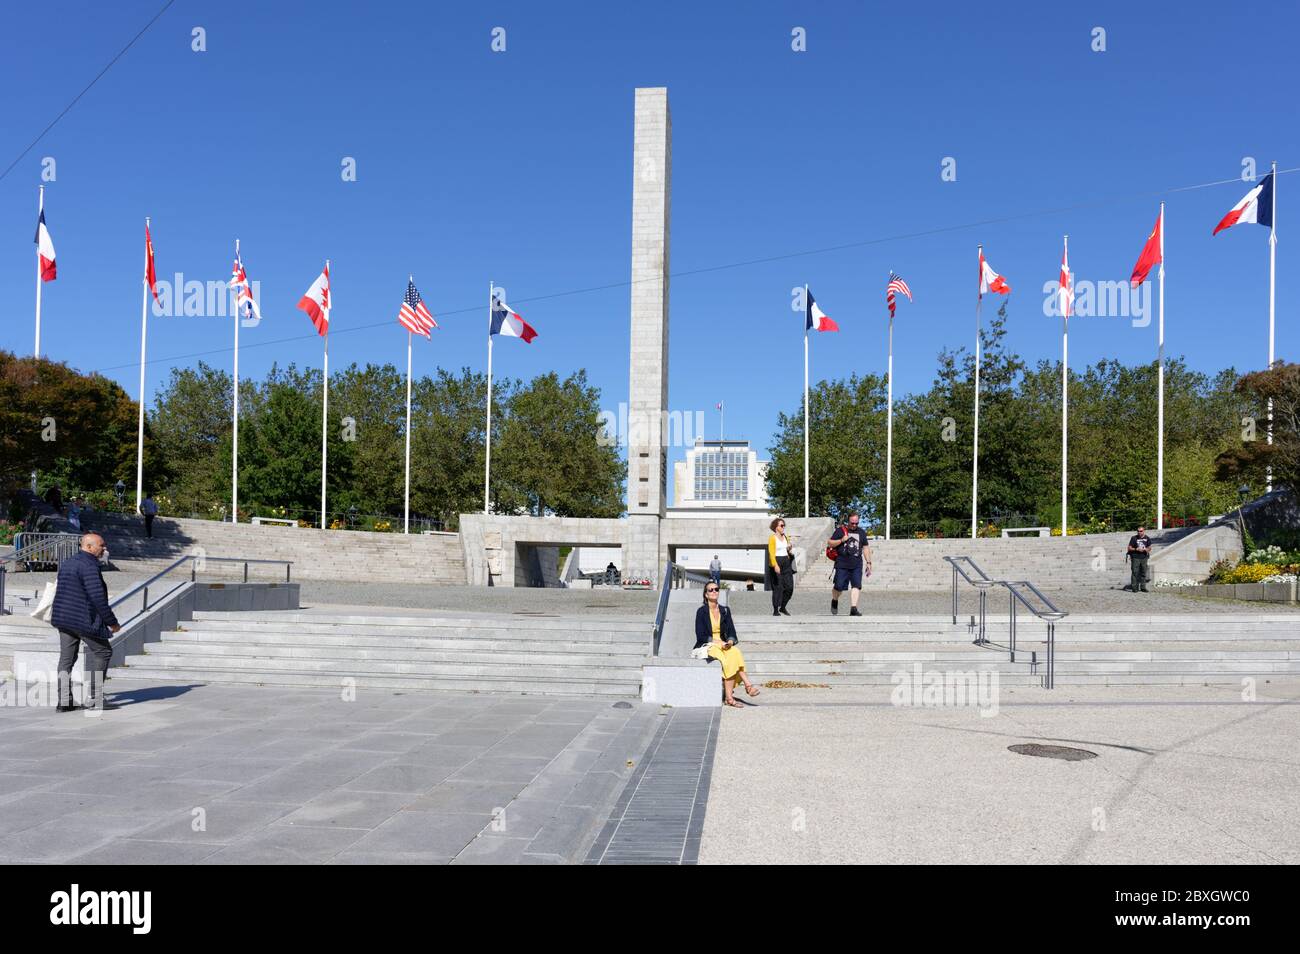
[[1160, 381], [889, 431], [1065, 401], [975, 454], [39, 281], [487, 468], [144, 329], [234, 418], [406, 528], [722, 420], [1272, 294], [805, 401], [325, 412]]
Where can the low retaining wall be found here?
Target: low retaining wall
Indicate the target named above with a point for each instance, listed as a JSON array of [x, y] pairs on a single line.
[[1253, 592], [41, 660]]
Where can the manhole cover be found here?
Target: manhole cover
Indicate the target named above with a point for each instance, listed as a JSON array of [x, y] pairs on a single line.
[[1052, 751], [622, 705]]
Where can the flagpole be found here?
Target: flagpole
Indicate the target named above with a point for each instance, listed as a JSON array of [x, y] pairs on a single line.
[[1065, 399], [805, 402], [889, 431], [1160, 383], [487, 467], [975, 454], [407, 522], [325, 411], [722, 420], [234, 417], [1272, 294], [144, 328], [39, 278]]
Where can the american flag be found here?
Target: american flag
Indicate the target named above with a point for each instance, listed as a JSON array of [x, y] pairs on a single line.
[[243, 291], [896, 284], [414, 316]]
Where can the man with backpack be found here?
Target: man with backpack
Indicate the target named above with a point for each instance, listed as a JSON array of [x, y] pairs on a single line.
[[849, 548]]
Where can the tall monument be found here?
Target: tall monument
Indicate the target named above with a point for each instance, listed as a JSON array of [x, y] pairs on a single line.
[[647, 457]]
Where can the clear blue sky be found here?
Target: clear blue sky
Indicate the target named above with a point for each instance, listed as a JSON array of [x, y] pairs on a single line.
[[516, 167]]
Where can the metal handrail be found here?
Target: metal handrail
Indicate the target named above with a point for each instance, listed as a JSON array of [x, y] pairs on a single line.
[[1048, 611], [661, 610], [982, 584], [44, 548], [193, 559]]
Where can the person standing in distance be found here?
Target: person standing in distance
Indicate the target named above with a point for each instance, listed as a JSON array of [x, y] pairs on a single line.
[[1139, 554], [148, 510], [852, 553], [715, 570], [780, 565]]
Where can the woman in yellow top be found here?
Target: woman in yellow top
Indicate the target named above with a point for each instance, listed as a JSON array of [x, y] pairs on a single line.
[[780, 565], [714, 628]]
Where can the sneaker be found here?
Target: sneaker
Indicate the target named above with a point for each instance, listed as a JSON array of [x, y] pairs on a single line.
[[854, 612], [68, 708], [835, 607]]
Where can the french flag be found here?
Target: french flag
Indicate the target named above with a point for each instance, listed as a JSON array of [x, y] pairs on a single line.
[[816, 319], [506, 321], [1255, 209], [45, 250]]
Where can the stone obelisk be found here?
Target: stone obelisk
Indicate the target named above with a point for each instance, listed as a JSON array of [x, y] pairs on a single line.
[[647, 457]]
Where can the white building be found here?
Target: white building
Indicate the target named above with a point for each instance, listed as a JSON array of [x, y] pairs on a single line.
[[718, 479]]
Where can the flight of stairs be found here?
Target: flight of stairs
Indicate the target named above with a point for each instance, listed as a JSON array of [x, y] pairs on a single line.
[[1090, 650], [468, 652], [316, 554]]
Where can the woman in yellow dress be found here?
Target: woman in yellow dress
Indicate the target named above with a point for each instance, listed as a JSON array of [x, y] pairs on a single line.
[[714, 628]]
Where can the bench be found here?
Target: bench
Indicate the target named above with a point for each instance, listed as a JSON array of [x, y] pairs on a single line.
[[1037, 531], [276, 520]]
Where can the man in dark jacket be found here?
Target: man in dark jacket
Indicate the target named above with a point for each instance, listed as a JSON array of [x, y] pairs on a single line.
[[81, 614]]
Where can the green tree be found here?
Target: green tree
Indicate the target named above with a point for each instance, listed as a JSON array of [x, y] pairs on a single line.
[[846, 455], [548, 457]]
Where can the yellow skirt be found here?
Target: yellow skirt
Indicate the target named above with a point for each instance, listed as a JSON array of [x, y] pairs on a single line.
[[732, 659]]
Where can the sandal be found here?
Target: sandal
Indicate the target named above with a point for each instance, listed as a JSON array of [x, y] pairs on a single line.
[[751, 691], [733, 702]]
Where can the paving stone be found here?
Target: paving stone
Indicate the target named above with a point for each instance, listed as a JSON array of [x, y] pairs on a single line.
[[402, 778], [285, 844], [425, 833], [345, 809]]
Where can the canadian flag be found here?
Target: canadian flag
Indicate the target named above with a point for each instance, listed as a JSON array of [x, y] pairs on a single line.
[[316, 302], [991, 281], [1065, 292], [45, 250]]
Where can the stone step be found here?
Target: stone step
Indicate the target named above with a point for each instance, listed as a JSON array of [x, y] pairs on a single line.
[[462, 643], [349, 666], [782, 669], [403, 653], [532, 685]]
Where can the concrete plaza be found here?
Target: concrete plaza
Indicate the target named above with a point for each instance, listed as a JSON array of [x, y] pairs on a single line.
[[233, 775], [1182, 775]]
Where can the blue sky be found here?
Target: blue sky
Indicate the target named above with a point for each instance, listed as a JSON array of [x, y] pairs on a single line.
[[515, 167]]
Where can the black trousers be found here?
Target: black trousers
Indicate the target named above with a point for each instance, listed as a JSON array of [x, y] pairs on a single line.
[[148, 525], [1138, 571], [98, 654], [782, 582]]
